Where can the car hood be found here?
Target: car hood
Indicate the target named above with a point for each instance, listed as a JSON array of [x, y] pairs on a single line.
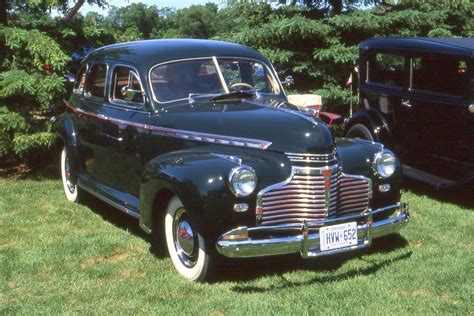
[[286, 130]]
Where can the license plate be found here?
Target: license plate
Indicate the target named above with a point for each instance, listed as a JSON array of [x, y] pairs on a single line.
[[338, 236]]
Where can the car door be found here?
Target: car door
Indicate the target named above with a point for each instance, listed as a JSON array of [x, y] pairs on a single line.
[[123, 130], [435, 115], [88, 103], [383, 86]]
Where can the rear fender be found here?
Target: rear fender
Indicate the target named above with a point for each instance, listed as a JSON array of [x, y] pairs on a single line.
[[375, 122], [65, 132]]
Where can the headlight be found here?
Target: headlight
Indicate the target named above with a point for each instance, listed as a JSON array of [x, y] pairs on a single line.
[[242, 180], [385, 163]]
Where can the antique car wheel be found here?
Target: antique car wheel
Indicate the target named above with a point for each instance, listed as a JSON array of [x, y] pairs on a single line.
[[360, 131], [186, 246], [70, 189]]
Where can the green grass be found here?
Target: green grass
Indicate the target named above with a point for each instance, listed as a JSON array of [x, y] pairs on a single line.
[[58, 257]]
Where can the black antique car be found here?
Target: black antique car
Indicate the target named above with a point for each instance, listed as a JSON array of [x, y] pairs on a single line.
[[417, 96], [197, 140]]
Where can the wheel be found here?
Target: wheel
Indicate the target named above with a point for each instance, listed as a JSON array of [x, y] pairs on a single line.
[[360, 131], [70, 189], [186, 246]]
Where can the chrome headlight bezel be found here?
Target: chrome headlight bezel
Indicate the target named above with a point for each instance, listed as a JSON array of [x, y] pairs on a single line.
[[385, 164], [237, 188]]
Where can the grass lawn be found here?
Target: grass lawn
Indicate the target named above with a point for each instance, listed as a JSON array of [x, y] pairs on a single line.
[[58, 257]]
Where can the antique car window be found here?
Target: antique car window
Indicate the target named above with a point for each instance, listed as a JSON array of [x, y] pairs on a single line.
[[126, 87], [95, 85], [177, 80], [386, 68], [439, 73], [241, 73], [80, 80]]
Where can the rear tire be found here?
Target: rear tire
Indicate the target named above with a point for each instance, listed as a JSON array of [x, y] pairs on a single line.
[[360, 131], [71, 189], [186, 247]]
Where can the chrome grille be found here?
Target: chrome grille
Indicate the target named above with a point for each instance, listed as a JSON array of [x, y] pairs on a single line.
[[307, 196], [311, 158]]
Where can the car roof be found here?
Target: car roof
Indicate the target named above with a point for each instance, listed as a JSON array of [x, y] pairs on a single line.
[[455, 46], [151, 52]]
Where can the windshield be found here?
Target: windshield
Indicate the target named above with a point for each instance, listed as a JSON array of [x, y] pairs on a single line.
[[210, 76]]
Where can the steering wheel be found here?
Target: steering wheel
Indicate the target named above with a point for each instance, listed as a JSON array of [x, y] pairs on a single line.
[[242, 86]]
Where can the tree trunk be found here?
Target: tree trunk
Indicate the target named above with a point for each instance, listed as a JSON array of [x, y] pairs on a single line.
[[337, 6], [73, 11], [3, 12]]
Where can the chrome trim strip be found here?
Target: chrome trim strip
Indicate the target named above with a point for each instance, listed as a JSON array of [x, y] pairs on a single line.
[[182, 134], [118, 206], [145, 228], [307, 241]]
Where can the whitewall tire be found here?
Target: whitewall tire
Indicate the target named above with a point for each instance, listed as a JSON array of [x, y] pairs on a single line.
[[186, 247], [70, 189]]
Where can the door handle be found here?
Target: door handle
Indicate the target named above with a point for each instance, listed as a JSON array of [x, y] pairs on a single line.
[[471, 108], [108, 136], [406, 102]]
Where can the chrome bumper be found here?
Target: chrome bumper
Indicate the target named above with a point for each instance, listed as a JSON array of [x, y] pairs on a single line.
[[304, 238]]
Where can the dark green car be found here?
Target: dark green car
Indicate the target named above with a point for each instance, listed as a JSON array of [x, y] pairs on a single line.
[[197, 140]]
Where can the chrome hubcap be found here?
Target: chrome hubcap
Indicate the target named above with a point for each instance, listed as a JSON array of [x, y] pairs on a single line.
[[184, 239]]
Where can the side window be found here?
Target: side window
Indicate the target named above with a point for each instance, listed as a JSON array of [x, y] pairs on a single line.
[[386, 68], [439, 73], [95, 85], [126, 86], [80, 80]]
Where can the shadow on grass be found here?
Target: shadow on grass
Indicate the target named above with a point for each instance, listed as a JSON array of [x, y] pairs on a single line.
[[114, 216], [461, 196], [249, 269]]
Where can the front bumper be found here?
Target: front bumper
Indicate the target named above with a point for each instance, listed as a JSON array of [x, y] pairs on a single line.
[[304, 238]]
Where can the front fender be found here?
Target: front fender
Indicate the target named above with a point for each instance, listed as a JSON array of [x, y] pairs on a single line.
[[201, 180], [357, 158]]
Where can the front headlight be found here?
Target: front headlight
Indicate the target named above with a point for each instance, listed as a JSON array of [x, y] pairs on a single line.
[[385, 163], [242, 180]]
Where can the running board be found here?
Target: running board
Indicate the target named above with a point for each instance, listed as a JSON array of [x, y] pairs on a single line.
[[428, 178], [107, 195]]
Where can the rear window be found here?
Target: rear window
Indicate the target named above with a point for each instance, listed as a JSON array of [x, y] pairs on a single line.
[[439, 73], [96, 81], [387, 69]]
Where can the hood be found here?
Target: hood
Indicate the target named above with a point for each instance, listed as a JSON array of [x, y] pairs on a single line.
[[287, 130]]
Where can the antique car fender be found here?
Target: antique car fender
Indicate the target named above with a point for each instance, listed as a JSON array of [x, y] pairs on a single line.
[[357, 158], [201, 181], [65, 132], [375, 122]]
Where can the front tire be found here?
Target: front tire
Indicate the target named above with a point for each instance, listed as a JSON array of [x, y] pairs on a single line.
[[70, 189], [360, 131], [186, 247]]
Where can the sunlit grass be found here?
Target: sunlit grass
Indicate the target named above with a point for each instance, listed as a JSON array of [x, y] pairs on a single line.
[[61, 257]]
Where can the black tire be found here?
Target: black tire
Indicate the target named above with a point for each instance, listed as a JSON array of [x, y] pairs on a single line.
[[360, 131], [186, 247], [71, 190]]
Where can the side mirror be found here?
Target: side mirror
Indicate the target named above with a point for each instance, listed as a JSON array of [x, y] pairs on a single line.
[[288, 81]]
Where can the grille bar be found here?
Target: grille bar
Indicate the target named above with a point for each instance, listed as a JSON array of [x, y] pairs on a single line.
[[313, 193]]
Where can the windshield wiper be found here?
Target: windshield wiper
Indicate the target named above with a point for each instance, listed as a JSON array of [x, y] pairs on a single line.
[[234, 95]]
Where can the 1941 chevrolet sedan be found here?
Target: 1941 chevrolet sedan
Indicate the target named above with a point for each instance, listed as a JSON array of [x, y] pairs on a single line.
[[197, 140]]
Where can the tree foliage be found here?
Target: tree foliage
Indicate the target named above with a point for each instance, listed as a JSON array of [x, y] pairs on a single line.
[[316, 41]]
